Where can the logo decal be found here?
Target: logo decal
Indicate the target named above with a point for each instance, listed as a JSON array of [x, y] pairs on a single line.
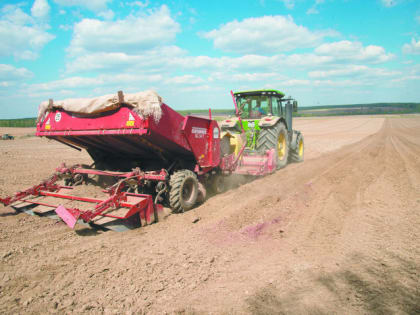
[[199, 132]]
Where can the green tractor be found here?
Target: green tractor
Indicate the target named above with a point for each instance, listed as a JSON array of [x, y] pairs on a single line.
[[263, 121]]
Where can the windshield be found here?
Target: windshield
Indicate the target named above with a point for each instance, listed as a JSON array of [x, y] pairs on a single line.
[[253, 106]]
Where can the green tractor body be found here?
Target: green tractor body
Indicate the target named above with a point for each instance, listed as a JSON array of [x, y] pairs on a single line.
[[264, 121]]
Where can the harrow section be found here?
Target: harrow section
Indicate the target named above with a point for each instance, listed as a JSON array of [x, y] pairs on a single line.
[[118, 208]]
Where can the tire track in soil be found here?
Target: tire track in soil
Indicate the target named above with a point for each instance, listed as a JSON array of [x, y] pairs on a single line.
[[343, 224]]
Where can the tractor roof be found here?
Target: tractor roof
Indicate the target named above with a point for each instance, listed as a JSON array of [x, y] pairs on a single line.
[[260, 92]]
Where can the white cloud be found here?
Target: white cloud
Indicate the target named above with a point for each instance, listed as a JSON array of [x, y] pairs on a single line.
[[199, 88], [389, 3], [150, 60], [9, 75], [308, 60], [340, 83], [187, 79], [295, 82], [133, 34], [14, 14], [412, 48], [312, 10], [141, 4], [352, 71], [407, 78], [107, 14], [92, 5], [40, 9], [243, 76], [65, 27], [20, 36], [411, 73], [97, 6], [90, 83], [354, 51], [172, 58], [267, 34], [418, 18], [290, 4], [12, 73]]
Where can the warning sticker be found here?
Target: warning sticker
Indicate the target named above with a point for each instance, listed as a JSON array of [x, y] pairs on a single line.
[[130, 123], [47, 124]]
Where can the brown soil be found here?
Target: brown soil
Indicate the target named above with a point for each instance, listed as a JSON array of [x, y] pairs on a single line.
[[337, 234]]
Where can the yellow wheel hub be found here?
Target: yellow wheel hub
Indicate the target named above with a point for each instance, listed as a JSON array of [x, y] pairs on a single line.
[[300, 148], [281, 146]]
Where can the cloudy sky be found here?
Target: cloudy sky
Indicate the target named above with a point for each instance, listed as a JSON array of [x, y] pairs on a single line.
[[194, 52]]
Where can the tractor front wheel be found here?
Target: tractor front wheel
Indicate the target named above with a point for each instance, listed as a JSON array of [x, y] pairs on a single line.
[[183, 190], [297, 155]]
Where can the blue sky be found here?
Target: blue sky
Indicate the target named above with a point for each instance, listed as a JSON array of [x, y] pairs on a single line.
[[194, 52]]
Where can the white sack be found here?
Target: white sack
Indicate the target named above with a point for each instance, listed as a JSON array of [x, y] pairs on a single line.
[[145, 104]]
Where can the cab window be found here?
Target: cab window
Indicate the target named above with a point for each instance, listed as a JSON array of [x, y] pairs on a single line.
[[275, 104], [253, 107]]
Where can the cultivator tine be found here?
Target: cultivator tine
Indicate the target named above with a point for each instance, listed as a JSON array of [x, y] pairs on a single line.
[[69, 216], [26, 209]]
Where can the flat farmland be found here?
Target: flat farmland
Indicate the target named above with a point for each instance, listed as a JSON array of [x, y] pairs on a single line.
[[336, 234]]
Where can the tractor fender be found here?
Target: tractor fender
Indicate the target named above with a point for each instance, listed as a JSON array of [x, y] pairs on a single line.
[[269, 121], [228, 123]]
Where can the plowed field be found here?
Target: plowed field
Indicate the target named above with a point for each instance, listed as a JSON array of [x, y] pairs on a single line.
[[336, 234]]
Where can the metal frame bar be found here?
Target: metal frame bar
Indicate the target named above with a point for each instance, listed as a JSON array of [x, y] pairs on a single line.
[[117, 198]]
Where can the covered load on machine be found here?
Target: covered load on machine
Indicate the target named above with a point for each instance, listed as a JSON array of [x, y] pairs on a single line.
[[146, 156]]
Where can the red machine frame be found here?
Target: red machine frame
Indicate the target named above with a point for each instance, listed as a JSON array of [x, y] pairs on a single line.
[[123, 131]]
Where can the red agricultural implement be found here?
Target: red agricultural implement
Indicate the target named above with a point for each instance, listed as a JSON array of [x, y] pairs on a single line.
[[143, 162]]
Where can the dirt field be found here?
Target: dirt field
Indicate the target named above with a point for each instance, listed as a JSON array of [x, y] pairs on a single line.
[[337, 234]]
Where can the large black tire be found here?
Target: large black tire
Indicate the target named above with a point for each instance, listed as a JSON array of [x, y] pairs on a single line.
[[183, 190], [275, 137], [297, 155]]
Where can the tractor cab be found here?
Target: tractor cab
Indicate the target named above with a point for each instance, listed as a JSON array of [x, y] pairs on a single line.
[[257, 104]]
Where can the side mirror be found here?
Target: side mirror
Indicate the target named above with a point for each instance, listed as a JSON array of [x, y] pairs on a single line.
[[295, 106]]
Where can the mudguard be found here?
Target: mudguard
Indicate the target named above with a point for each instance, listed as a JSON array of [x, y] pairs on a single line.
[[268, 121]]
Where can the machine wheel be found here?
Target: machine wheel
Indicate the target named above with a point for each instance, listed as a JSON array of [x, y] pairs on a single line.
[[275, 137], [183, 190], [297, 155], [202, 193]]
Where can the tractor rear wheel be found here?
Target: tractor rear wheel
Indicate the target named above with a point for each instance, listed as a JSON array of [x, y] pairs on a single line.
[[297, 155], [275, 137], [183, 190]]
